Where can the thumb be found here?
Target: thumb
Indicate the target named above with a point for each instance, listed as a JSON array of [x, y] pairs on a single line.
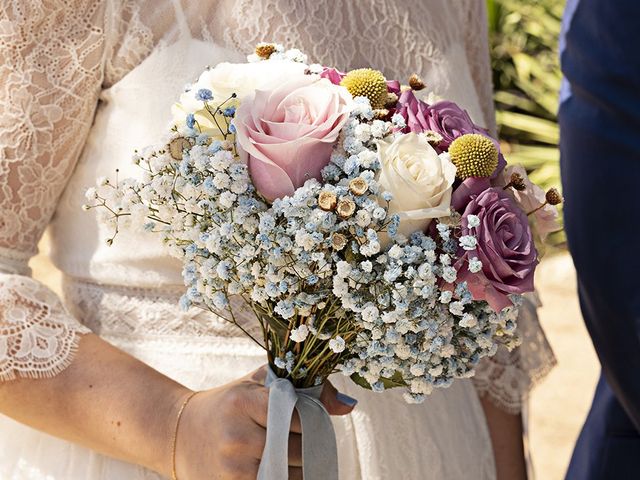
[[257, 376], [335, 402]]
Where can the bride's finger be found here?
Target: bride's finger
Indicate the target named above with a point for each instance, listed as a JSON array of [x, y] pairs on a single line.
[[257, 408], [295, 450], [258, 375], [295, 473], [335, 402]]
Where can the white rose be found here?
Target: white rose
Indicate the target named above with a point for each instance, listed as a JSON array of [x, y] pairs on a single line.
[[419, 179], [225, 79]]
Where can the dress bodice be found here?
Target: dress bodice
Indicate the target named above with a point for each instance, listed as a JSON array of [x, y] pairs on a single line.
[[131, 115]]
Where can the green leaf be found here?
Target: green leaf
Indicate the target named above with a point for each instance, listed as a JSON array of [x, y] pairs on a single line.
[[521, 102], [538, 129], [493, 15], [359, 380], [395, 381], [532, 157], [349, 255]]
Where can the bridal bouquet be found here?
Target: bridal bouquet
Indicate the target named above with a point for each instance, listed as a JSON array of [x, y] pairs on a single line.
[[368, 228]]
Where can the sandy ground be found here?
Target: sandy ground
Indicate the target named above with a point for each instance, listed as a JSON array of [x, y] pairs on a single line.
[[560, 403]]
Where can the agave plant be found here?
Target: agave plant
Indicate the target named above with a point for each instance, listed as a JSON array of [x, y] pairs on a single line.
[[526, 75]]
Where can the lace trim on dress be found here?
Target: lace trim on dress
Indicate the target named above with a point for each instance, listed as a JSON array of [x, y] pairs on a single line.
[[129, 43], [38, 337], [119, 312], [508, 377]]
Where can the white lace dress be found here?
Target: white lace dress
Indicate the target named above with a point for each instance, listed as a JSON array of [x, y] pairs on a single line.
[[85, 82]]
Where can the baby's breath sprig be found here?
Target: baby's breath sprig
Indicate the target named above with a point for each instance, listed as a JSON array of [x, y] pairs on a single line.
[[224, 112]]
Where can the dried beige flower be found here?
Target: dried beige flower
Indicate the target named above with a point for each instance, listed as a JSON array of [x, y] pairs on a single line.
[[346, 207], [338, 241], [358, 186], [327, 200], [415, 82], [177, 146]]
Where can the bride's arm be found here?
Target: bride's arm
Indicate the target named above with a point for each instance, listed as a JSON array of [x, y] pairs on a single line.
[[504, 382], [506, 434], [110, 402], [105, 400]]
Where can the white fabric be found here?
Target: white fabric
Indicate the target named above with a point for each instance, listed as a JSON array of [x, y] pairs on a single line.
[[85, 82]]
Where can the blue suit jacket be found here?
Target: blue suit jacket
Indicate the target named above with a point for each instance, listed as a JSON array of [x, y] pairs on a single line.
[[600, 160]]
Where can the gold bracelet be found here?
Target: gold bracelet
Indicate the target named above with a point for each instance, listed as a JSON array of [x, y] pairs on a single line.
[[174, 475]]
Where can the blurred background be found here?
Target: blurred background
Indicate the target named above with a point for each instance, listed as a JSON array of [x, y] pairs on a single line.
[[526, 75]]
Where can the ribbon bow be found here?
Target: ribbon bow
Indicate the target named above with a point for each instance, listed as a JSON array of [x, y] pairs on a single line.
[[319, 450]]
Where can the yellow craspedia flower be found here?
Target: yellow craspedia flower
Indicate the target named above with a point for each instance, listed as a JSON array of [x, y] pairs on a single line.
[[366, 82], [474, 155]]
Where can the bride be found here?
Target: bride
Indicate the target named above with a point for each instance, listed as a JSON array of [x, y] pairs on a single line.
[[92, 387]]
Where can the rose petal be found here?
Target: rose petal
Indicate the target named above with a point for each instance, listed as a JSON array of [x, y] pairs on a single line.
[[468, 188], [301, 160], [269, 179]]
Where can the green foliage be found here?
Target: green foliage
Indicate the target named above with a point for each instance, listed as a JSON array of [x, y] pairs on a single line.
[[526, 74], [395, 381]]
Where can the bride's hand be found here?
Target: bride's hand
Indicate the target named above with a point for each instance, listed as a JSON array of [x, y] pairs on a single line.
[[222, 431]]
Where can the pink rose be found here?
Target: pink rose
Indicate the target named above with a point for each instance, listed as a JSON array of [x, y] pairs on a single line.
[[544, 220], [286, 134], [334, 75]]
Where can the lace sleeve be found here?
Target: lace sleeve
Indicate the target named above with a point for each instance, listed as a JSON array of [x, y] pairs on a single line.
[[507, 377], [38, 337], [51, 57], [477, 47]]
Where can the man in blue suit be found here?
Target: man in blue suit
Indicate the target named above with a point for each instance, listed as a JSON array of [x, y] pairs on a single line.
[[600, 159]]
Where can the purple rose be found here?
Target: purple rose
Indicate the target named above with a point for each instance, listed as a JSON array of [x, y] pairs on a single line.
[[450, 121], [393, 86], [504, 246], [545, 219], [414, 112]]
